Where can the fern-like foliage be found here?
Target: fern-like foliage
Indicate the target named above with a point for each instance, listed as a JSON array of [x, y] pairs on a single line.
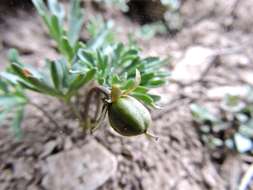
[[100, 59]]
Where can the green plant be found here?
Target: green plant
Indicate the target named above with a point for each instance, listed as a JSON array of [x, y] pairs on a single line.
[[172, 4], [148, 31], [12, 103], [97, 24], [99, 64], [119, 4], [172, 17], [231, 128], [170, 21]]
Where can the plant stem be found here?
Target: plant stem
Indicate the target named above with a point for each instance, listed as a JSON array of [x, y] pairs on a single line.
[[95, 89], [102, 90], [98, 105], [45, 113], [74, 109]]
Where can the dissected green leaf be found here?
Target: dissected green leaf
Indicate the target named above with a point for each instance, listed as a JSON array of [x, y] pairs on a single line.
[[131, 85], [234, 126], [76, 19], [232, 103], [86, 57], [215, 142], [116, 80], [102, 37], [141, 89], [64, 72], [13, 56], [119, 4], [243, 144], [110, 64], [3, 86], [13, 99], [35, 79], [16, 123], [145, 98], [55, 29], [67, 49], [246, 129], [94, 25], [16, 80], [156, 83], [56, 74], [102, 62], [201, 114], [155, 98], [40, 6], [147, 77], [56, 9], [10, 77], [148, 31], [81, 80]]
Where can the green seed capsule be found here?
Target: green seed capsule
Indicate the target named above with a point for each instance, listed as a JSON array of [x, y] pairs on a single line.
[[128, 116]]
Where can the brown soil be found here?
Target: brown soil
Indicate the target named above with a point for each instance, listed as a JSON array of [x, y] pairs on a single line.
[[178, 160]]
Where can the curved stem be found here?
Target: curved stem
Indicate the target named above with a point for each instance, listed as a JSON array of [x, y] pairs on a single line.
[[98, 105], [99, 119], [45, 113], [95, 89], [102, 90]]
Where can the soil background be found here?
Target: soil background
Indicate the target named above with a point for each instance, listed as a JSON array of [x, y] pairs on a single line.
[[215, 43]]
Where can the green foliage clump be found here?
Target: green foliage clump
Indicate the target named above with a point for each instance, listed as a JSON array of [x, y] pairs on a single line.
[[119, 4], [170, 21], [100, 60], [231, 128], [12, 103]]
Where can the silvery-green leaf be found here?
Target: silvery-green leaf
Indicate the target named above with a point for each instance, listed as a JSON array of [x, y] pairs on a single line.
[[229, 143], [67, 49], [232, 103], [13, 57], [243, 144], [56, 9], [145, 98], [102, 36], [40, 6], [133, 84], [16, 123], [247, 129], [75, 21], [201, 114]]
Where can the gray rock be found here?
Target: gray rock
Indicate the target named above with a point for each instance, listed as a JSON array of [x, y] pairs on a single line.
[[236, 60], [48, 148], [198, 9], [192, 65], [81, 168], [244, 13], [246, 76], [221, 91]]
